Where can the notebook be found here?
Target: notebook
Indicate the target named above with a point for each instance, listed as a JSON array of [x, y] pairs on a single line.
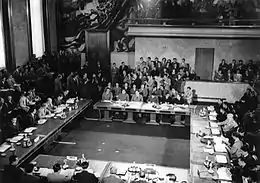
[[16, 139], [221, 148], [215, 131], [224, 174], [4, 147], [221, 159]]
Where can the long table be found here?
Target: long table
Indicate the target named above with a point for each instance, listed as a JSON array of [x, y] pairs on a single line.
[[140, 107], [198, 171], [101, 168], [44, 132]]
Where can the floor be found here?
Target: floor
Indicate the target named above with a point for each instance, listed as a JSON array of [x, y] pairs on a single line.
[[165, 146]]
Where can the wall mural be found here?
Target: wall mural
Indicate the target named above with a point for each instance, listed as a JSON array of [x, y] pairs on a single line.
[[120, 41], [77, 16]]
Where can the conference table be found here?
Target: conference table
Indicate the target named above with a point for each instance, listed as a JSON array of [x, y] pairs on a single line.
[[199, 152], [140, 107], [41, 135], [126, 171]]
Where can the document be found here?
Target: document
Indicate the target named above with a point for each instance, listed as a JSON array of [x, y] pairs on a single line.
[[4, 147]]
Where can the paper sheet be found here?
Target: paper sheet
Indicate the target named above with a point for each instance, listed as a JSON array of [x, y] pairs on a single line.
[[30, 129], [16, 139], [224, 174], [213, 125], [4, 147], [221, 159], [215, 131], [41, 121]]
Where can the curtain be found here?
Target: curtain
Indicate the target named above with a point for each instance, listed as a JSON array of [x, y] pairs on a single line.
[[2, 43], [37, 29]]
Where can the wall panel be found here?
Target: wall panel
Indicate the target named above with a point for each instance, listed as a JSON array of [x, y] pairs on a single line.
[[97, 43], [19, 21]]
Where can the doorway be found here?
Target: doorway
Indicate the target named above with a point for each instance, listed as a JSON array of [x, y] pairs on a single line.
[[204, 60]]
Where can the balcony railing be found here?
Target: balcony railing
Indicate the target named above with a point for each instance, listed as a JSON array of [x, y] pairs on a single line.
[[239, 23]]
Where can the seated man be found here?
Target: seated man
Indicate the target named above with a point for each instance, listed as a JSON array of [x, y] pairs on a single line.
[[229, 124], [24, 102], [112, 178], [153, 98], [107, 95], [57, 177], [235, 149], [123, 96], [85, 175], [13, 128], [50, 106], [167, 99], [137, 97], [44, 112], [12, 174], [188, 95], [28, 177], [30, 119], [58, 100]]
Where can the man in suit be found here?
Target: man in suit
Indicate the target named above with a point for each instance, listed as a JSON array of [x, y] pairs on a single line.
[[12, 174], [58, 84], [28, 177], [112, 178], [85, 175], [57, 177], [30, 119]]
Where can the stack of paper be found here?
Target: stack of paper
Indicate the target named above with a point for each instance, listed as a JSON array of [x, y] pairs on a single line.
[[221, 159], [224, 174], [41, 121], [221, 148], [30, 129], [68, 172], [4, 147], [16, 139], [215, 131], [213, 125], [70, 101], [212, 118]]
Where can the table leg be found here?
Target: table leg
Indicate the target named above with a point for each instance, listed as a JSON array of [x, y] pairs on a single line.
[[129, 117], [187, 120], [153, 119], [106, 115]]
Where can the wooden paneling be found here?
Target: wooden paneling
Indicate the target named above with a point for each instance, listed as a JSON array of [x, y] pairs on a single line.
[[20, 31], [97, 45], [50, 25]]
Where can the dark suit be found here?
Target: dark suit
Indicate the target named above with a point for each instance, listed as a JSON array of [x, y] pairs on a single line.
[[12, 174], [112, 179], [85, 177], [30, 179], [57, 178]]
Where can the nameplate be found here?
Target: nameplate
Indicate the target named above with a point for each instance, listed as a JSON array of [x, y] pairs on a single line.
[[122, 109]]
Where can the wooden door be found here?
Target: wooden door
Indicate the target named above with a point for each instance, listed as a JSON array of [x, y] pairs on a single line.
[[204, 60]]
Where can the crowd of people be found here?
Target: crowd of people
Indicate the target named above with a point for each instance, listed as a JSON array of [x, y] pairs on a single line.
[[239, 122], [150, 78], [237, 72]]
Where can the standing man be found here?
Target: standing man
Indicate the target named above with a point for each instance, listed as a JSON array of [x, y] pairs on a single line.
[[114, 74]]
